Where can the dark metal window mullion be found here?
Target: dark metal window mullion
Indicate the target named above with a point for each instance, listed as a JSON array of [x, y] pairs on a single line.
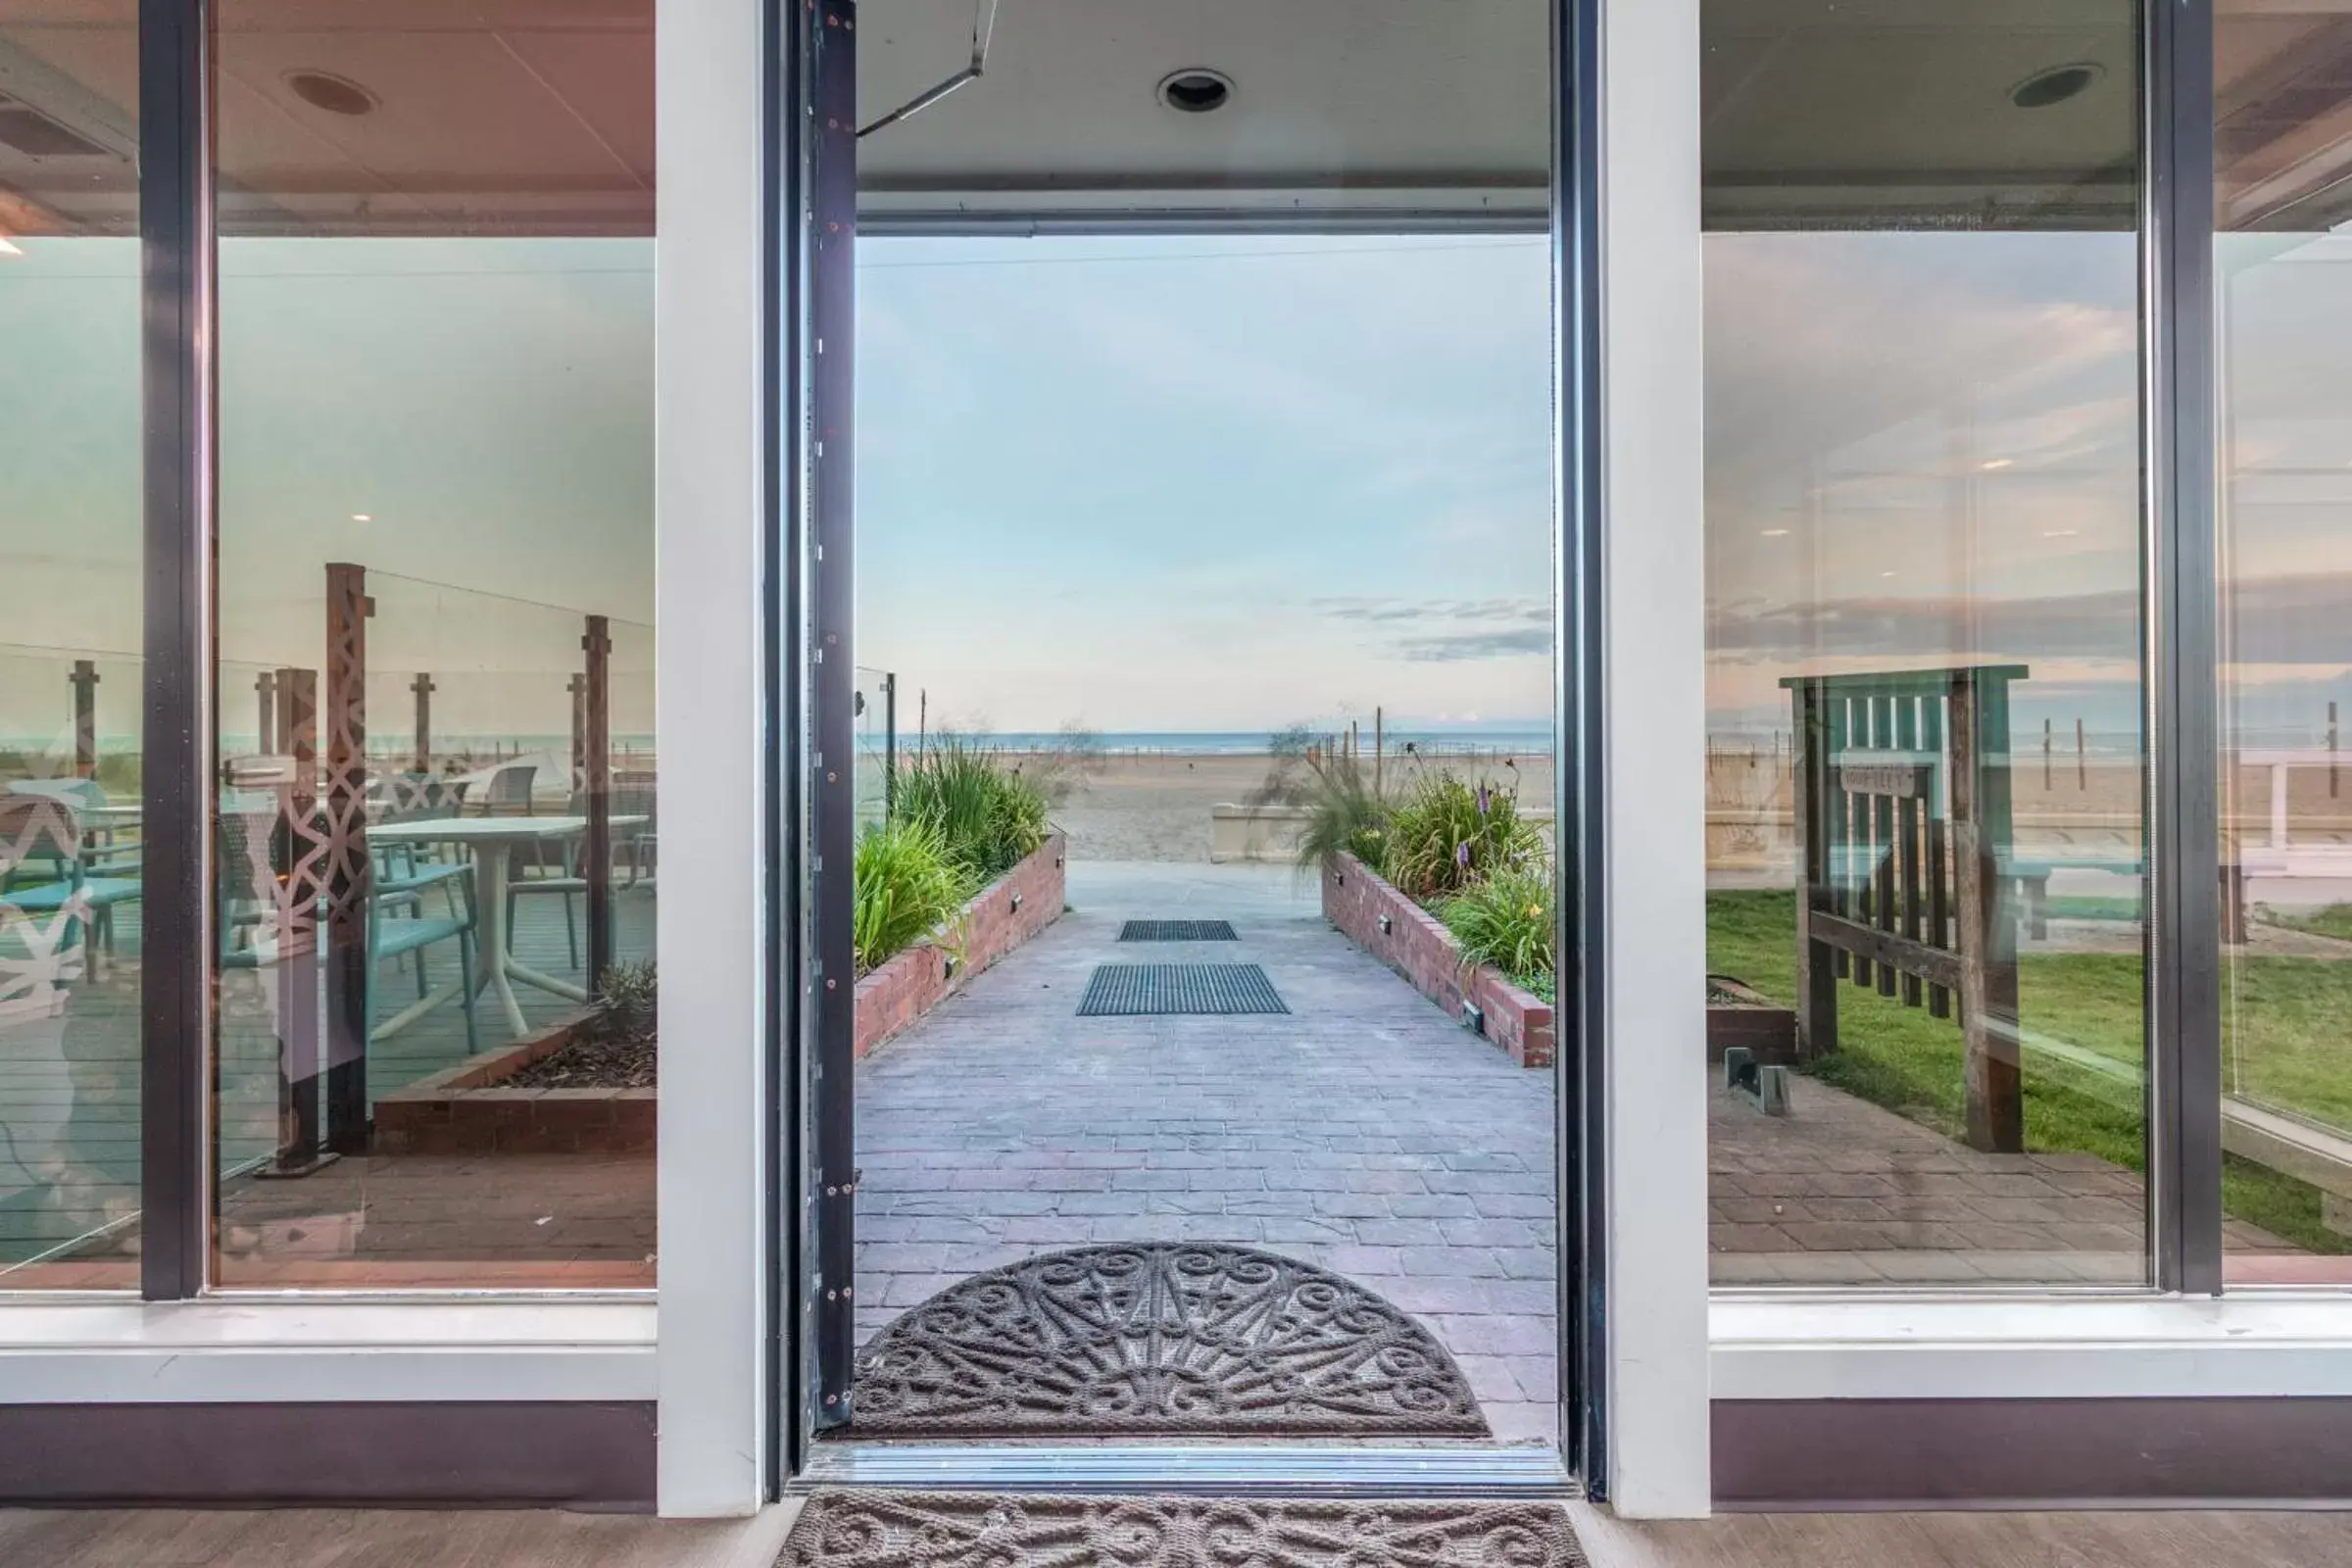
[[2181, 653], [831, 277], [178, 381], [1580, 835]]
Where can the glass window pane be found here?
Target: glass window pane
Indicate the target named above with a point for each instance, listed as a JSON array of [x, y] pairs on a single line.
[[71, 700], [436, 655], [2284, 299], [1923, 546]]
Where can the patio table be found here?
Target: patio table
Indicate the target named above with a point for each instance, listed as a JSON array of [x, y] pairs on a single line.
[[495, 963]]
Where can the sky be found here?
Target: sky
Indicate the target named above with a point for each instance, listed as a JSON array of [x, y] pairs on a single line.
[[1199, 483], [1202, 483]]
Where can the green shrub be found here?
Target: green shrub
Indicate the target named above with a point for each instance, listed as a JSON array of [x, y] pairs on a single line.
[[986, 817], [1446, 834], [628, 1003], [1344, 813], [906, 888], [1505, 920]]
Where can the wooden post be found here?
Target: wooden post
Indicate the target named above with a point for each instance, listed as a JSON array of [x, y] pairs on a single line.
[[596, 714], [424, 687], [1816, 964], [2082, 762], [1826, 743], [1882, 840], [1939, 843], [1907, 834], [349, 878], [1380, 750], [1991, 1073], [84, 681]]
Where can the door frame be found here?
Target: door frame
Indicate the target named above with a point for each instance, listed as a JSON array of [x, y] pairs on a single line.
[[1625, 266]]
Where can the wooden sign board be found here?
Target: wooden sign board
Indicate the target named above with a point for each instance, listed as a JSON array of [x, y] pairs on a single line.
[[1903, 781]]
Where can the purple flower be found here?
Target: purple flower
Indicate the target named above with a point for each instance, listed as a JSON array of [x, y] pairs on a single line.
[[1461, 853], [1486, 799]]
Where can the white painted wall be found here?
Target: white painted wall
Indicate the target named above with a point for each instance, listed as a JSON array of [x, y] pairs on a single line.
[[708, 433], [1653, 514]]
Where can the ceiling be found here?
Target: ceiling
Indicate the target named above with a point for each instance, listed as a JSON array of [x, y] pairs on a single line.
[[537, 116]]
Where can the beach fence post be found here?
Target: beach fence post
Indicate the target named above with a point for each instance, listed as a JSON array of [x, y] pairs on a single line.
[[2082, 766], [84, 681], [2331, 757], [1380, 748], [424, 687], [890, 745]]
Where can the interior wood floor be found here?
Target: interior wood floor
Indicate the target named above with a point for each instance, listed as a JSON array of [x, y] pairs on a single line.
[[376, 1538]]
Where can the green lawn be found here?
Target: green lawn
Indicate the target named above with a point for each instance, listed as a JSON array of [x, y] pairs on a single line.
[[2335, 921], [2289, 1031]]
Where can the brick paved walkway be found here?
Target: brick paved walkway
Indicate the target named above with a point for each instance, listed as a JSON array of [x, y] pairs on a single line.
[[1365, 1131]]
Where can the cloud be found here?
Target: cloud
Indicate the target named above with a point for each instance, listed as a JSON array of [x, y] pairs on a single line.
[[1379, 607], [1465, 647]]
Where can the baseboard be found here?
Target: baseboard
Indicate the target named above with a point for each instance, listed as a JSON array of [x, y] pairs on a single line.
[[548, 1453]]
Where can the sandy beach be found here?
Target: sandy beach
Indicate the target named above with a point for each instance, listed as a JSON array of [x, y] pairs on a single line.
[[1156, 808]]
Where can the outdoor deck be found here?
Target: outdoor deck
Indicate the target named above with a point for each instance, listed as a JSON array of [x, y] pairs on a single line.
[[1364, 1131], [69, 1101]]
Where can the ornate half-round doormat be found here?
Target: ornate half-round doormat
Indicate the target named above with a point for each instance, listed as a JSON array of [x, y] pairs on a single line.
[[1160, 1341], [973, 1530]]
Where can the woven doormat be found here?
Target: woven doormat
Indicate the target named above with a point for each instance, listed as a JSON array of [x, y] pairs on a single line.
[[1160, 1340], [1178, 931], [977, 1530], [1146, 990]]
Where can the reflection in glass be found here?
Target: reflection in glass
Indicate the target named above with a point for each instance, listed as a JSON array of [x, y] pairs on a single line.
[[2284, 300], [71, 699], [436, 832], [1925, 759]]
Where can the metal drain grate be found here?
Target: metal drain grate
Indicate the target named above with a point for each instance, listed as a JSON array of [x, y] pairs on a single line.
[[1135, 989], [1177, 931]]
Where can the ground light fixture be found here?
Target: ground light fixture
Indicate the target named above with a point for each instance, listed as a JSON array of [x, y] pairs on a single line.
[[2055, 84], [1196, 90]]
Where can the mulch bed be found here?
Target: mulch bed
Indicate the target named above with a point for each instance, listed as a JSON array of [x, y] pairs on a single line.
[[585, 1064]]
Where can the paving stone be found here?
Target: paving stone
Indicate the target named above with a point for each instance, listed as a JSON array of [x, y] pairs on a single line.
[[1365, 1131]]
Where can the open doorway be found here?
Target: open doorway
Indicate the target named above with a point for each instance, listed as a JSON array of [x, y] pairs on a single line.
[[1195, 555]]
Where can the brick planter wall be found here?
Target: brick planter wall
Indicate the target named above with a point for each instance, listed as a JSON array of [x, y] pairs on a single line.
[[468, 1110], [906, 985], [1420, 947]]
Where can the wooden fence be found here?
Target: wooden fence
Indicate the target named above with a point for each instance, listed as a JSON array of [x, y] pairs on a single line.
[[1903, 837]]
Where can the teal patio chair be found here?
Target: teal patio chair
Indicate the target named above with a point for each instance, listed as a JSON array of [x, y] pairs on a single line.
[[44, 829]]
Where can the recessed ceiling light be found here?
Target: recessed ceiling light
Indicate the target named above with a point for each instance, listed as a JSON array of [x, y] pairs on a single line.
[[1886, 574], [1996, 463], [1775, 533], [338, 95], [360, 516], [2059, 533], [2054, 85], [1195, 89]]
